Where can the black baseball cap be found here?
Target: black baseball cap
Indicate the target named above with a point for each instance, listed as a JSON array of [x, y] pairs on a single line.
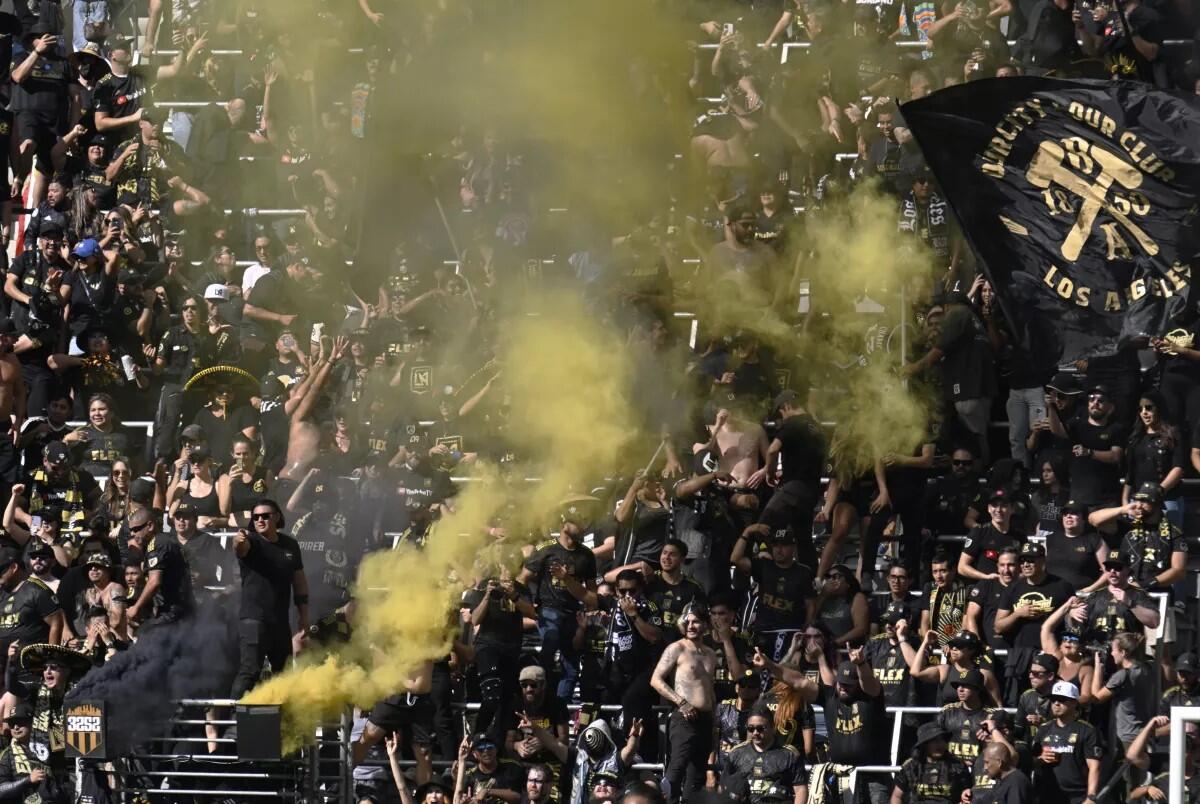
[[1115, 558], [971, 678], [1150, 492], [1073, 507], [1047, 661], [787, 397], [1032, 550], [56, 452]]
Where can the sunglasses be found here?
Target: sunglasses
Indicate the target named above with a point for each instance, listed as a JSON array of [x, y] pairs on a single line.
[[1029, 560], [626, 591], [605, 783], [961, 463], [530, 685], [1113, 568], [143, 526], [1097, 398], [263, 515], [485, 746], [1039, 673], [835, 576], [756, 729]]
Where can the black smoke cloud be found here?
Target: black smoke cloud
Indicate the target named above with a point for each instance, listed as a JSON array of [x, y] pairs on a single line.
[[191, 658]]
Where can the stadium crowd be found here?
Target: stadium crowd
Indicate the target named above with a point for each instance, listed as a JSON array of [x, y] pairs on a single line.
[[728, 624]]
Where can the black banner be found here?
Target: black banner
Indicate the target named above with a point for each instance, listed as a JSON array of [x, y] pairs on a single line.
[[1079, 196]]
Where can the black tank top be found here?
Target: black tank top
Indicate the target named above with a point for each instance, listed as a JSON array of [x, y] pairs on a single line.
[[243, 496], [206, 505]]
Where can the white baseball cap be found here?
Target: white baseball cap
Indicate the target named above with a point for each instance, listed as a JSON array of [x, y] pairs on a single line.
[[217, 292], [1064, 689]]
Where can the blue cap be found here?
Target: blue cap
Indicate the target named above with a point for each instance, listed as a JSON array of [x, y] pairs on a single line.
[[86, 248]]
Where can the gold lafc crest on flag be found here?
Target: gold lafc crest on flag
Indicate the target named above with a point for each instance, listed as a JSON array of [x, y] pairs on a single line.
[[85, 729]]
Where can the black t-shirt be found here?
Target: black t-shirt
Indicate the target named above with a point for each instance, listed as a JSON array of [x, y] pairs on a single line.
[[101, 449], [23, 613], [989, 595], [782, 594], [984, 543], [174, 595], [208, 563], [1150, 457], [803, 449], [1123, 59], [1075, 743], [1015, 788], [856, 729], [274, 424], [1093, 481], [221, 431], [550, 592], [184, 352], [121, 96], [967, 369], [267, 571], [1045, 598], [1073, 558], [45, 90], [502, 621]]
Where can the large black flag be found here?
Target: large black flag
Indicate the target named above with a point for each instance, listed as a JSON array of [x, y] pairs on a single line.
[[1079, 196]]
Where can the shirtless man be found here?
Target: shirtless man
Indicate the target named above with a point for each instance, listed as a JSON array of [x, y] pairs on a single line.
[[692, 663], [741, 446], [12, 406]]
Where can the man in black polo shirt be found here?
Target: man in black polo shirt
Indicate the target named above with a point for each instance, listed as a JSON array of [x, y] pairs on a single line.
[[1066, 751], [1118, 607], [1028, 602], [272, 572], [761, 770], [785, 589], [1096, 450]]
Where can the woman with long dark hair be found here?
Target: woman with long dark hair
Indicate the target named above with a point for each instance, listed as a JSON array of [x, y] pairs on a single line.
[[1055, 492], [1156, 454]]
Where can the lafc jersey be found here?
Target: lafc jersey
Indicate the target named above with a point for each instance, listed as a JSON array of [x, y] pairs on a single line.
[[23, 613], [933, 781], [1148, 549], [887, 661], [771, 775], [963, 723], [672, 599]]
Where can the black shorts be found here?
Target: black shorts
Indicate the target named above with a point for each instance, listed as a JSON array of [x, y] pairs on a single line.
[[411, 715], [42, 128]]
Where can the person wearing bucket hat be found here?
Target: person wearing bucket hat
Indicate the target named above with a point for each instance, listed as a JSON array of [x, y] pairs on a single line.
[[932, 775], [964, 718], [1067, 751]]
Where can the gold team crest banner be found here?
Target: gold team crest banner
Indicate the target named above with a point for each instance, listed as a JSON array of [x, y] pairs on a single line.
[[1080, 198]]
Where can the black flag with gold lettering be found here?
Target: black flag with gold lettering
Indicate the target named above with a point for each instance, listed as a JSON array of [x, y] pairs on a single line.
[[1081, 199]]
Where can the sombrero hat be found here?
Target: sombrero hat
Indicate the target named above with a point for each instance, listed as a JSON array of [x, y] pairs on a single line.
[[233, 375], [34, 657]]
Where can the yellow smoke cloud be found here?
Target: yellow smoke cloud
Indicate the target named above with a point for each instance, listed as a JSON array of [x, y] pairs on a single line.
[[568, 380]]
